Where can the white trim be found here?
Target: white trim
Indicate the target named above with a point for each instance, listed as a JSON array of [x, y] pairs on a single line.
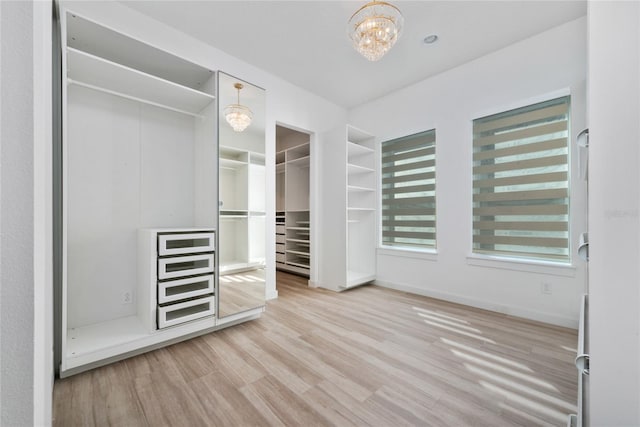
[[515, 311], [423, 254], [272, 294], [523, 265], [43, 369]]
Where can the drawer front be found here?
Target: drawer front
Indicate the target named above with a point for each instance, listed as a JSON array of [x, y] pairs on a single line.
[[280, 229], [171, 268], [280, 248], [182, 312], [175, 290], [178, 244], [280, 238], [280, 258]]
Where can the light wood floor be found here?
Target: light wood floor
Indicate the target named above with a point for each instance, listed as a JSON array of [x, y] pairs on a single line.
[[368, 356]]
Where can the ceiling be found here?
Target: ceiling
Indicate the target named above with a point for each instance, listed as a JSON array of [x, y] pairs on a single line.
[[305, 42]]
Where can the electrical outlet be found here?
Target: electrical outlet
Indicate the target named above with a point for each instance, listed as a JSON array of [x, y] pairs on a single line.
[[127, 298], [546, 288]]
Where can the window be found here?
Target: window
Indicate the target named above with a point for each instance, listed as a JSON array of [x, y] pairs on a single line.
[[409, 191], [521, 182]]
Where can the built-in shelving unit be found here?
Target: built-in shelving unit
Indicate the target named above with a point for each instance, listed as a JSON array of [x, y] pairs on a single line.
[[348, 209], [139, 152], [293, 226], [361, 206]]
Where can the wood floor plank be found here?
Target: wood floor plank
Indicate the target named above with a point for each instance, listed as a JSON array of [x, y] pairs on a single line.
[[287, 405], [368, 356], [224, 403], [238, 366]]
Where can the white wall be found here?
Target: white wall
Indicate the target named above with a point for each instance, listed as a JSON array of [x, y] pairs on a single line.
[[614, 218], [526, 72], [285, 103], [26, 367]]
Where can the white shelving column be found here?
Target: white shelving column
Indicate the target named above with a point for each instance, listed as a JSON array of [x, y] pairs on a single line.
[[361, 207], [348, 209]]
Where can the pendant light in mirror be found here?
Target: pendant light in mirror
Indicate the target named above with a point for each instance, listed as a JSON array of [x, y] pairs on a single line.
[[238, 115]]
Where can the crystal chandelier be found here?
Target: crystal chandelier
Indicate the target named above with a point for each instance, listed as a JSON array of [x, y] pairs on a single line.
[[237, 115], [375, 28]]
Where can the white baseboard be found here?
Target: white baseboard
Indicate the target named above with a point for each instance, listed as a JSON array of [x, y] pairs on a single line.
[[525, 313], [325, 286], [272, 294]]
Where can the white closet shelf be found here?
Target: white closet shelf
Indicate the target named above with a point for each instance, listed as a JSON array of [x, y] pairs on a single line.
[[298, 228], [355, 188], [296, 264], [358, 149], [100, 74], [99, 336], [300, 150], [233, 214], [356, 135], [355, 169], [231, 164], [301, 162], [360, 209], [304, 254], [298, 240]]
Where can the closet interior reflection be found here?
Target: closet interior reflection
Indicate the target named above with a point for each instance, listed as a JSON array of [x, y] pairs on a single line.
[[242, 201]]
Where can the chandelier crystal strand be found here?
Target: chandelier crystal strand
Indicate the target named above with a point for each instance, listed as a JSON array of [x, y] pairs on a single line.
[[375, 28], [237, 115]]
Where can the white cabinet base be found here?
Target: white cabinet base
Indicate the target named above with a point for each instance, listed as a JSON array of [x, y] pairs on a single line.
[[101, 344]]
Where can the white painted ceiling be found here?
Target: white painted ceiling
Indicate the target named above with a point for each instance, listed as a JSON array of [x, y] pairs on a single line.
[[305, 42]]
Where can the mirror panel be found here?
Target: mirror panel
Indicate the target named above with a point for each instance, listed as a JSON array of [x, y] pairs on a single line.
[[242, 200]]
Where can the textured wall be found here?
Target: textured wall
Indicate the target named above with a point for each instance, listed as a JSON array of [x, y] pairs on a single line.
[[16, 213]]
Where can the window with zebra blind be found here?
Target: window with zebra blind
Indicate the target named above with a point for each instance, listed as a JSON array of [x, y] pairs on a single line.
[[521, 182], [409, 191]]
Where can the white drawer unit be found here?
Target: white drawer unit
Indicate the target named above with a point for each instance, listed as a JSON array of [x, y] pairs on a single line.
[[181, 312], [188, 243], [280, 257], [280, 229], [181, 289], [181, 266], [280, 238], [180, 276]]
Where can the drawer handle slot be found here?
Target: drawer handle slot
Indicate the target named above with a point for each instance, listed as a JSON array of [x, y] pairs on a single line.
[[191, 287], [187, 311], [175, 290], [187, 265], [187, 243], [183, 244], [193, 265]]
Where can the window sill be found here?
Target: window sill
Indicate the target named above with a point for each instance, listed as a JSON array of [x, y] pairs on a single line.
[[531, 266], [423, 254]]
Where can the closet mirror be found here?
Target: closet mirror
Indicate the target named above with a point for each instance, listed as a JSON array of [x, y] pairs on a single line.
[[242, 199]]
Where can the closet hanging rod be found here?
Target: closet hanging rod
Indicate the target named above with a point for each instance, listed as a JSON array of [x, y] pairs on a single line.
[[133, 98]]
